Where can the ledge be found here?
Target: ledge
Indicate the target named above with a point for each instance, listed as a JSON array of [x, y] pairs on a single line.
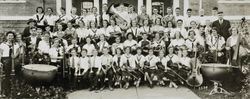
[[234, 1], [12, 1], [20, 18]]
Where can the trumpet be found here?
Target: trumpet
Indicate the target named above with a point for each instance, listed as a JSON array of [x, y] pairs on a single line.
[[77, 70]]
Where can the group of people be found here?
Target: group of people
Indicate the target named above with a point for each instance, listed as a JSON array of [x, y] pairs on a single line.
[[109, 50]]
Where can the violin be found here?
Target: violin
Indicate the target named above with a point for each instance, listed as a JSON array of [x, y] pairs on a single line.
[[195, 79]]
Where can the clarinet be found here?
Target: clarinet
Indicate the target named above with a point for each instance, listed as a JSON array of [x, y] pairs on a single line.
[[12, 58]]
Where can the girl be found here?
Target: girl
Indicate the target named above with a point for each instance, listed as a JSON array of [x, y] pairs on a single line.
[[231, 44], [135, 30], [117, 44], [144, 43], [39, 17], [172, 61], [113, 30], [145, 28], [117, 64], [102, 43], [185, 63], [92, 31], [89, 46], [104, 30], [82, 32], [50, 19], [45, 44], [191, 42], [128, 65], [130, 42], [158, 43], [216, 44], [56, 53], [73, 18], [70, 33], [107, 70], [177, 40], [73, 45], [150, 67], [170, 29], [157, 26], [139, 62]]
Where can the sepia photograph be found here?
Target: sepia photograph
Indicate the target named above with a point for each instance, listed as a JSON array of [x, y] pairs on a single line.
[[124, 49]]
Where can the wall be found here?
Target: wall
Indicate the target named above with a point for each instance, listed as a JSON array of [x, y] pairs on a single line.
[[24, 9]]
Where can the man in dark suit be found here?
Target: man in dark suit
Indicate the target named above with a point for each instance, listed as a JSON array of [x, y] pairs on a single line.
[[222, 26]]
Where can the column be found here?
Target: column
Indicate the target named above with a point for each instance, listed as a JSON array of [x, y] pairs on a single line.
[[96, 4], [186, 6], [139, 5], [176, 3], [68, 6], [200, 4], [149, 7], [58, 6], [104, 1]]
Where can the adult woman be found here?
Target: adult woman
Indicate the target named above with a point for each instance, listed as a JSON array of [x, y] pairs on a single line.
[[157, 26], [39, 17]]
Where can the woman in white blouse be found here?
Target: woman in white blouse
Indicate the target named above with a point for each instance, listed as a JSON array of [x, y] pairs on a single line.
[[82, 31], [39, 17], [178, 40], [157, 26]]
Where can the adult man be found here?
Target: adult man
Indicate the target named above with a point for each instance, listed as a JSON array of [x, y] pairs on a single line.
[[222, 26]]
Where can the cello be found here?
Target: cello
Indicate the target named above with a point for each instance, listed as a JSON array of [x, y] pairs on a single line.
[[195, 79]]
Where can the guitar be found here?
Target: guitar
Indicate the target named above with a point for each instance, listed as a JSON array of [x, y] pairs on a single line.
[[195, 79]]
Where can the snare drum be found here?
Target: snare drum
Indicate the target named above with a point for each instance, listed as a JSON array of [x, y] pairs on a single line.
[[39, 72]]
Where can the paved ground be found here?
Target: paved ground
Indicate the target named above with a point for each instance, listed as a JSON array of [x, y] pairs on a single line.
[[137, 93]]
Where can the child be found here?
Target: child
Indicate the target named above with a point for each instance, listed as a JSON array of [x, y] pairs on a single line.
[[73, 64], [144, 43], [150, 67], [102, 43], [107, 71], [117, 64], [89, 46], [82, 71], [116, 45], [95, 68]]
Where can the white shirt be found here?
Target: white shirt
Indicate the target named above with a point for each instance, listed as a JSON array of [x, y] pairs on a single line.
[[82, 32], [103, 31], [5, 49], [213, 42], [39, 18], [102, 44], [129, 43], [140, 59], [115, 46], [174, 58], [95, 61], [72, 46], [177, 42], [106, 60], [232, 41], [44, 46], [134, 30], [74, 62], [115, 28], [89, 47], [84, 63], [152, 59], [53, 53], [183, 31], [144, 29], [191, 44], [185, 61], [171, 31], [128, 58], [51, 19]]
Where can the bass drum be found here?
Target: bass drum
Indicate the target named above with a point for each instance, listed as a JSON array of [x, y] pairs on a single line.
[[39, 72], [215, 71]]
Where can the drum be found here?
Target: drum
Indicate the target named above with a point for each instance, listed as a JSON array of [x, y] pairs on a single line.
[[215, 71], [39, 72]]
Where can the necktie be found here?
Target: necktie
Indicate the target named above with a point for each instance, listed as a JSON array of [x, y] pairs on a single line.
[[128, 61], [10, 51], [73, 62], [119, 59]]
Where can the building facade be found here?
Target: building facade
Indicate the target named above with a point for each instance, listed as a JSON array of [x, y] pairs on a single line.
[[14, 13]]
